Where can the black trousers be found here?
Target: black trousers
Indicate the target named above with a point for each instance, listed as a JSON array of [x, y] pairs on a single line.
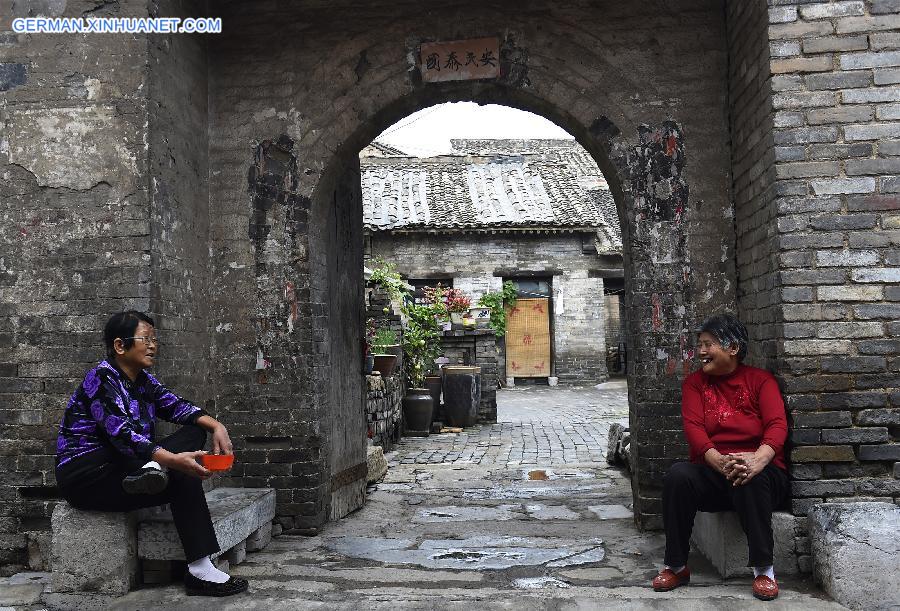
[[689, 488], [101, 490]]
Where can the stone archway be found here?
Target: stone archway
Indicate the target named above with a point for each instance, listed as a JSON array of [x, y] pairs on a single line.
[[668, 169]]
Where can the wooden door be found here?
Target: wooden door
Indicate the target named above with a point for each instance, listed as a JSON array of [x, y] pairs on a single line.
[[528, 339]]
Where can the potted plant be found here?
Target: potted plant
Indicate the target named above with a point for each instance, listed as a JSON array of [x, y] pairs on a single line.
[[458, 304], [421, 343], [498, 302], [383, 345]]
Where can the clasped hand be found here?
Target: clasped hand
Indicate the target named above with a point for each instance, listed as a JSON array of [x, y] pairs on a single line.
[[741, 467]]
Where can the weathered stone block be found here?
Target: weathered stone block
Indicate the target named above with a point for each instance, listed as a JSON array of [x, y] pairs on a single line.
[[822, 419], [823, 454], [828, 11], [855, 549], [260, 538], [882, 417], [850, 293], [825, 44], [818, 63], [880, 7], [376, 464], [93, 551], [236, 513], [839, 80], [237, 554], [720, 538], [852, 25], [847, 185], [888, 451]]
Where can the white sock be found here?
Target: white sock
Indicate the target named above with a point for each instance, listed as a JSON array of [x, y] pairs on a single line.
[[768, 571], [204, 569], [674, 569], [153, 464]]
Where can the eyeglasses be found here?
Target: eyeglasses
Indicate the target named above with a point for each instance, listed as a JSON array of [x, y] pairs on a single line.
[[148, 341]]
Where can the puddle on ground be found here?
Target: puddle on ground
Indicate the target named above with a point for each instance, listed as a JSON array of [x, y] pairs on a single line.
[[611, 512], [473, 553]]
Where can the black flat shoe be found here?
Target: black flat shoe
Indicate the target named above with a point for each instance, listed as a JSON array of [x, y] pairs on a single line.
[[197, 587], [148, 480]]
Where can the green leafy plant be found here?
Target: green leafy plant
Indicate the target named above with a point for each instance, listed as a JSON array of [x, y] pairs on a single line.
[[385, 275], [498, 302], [383, 339], [421, 341]]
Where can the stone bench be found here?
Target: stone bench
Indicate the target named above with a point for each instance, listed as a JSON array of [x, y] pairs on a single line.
[[101, 553], [720, 538]]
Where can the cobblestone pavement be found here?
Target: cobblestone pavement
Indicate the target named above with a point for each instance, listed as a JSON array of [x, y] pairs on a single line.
[[522, 515], [537, 425]]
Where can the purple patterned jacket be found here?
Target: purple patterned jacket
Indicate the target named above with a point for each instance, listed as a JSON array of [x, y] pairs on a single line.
[[109, 410]]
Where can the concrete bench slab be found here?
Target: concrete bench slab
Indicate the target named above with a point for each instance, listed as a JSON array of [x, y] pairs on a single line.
[[237, 513], [856, 553], [720, 538]]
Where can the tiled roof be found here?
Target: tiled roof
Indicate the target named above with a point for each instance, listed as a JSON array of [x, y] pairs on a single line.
[[498, 191]]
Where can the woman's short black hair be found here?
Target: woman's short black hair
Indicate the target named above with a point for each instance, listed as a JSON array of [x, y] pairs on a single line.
[[122, 325], [728, 330]]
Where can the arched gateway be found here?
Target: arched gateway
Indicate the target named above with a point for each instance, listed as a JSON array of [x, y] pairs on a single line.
[[655, 124]]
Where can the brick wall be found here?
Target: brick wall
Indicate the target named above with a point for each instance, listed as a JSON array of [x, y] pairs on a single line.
[[479, 262], [834, 69], [179, 214], [74, 239], [384, 411]]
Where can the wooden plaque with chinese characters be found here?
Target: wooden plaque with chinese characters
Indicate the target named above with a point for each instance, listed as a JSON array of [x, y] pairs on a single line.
[[528, 339], [460, 60]]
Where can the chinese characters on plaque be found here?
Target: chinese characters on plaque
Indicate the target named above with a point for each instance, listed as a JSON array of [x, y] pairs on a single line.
[[460, 60]]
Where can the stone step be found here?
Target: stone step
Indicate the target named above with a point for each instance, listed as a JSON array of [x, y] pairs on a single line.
[[720, 538], [237, 514]]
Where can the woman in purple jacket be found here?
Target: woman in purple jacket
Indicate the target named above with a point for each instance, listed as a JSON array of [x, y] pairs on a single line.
[[107, 458]]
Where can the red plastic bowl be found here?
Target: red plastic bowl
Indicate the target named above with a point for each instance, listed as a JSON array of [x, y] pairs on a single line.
[[217, 462]]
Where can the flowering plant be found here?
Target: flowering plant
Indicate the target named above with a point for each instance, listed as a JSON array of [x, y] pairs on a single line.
[[434, 297], [457, 301]]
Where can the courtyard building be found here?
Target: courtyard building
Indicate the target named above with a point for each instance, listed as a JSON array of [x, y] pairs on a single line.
[[537, 213]]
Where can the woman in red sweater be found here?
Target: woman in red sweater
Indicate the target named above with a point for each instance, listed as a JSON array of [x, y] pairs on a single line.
[[735, 425]]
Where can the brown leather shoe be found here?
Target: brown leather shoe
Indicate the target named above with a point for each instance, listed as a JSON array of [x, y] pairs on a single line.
[[669, 580], [765, 588]]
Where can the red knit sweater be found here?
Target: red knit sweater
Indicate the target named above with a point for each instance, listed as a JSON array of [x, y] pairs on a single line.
[[737, 412]]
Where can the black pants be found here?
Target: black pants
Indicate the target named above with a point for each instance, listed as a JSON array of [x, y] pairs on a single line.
[[689, 488], [101, 490]]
